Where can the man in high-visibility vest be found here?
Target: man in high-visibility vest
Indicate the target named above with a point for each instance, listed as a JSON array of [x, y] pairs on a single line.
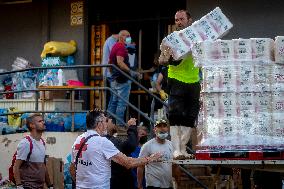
[[184, 93]]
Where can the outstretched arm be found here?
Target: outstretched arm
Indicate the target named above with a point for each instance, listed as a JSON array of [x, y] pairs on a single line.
[[129, 162]]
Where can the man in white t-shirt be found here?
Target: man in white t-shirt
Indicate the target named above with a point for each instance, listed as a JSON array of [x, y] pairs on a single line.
[[158, 174], [30, 171], [93, 168]]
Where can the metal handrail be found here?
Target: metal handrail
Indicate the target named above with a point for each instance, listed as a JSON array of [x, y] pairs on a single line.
[[190, 175], [90, 66], [94, 88], [82, 89], [93, 66]]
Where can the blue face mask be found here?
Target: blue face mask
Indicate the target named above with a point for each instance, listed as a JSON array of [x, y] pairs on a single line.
[[162, 136], [128, 40]]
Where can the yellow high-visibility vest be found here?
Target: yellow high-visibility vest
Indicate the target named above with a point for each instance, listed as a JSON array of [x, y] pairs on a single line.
[[185, 71]]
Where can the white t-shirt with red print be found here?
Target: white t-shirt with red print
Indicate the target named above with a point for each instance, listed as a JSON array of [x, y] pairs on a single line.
[[38, 150], [94, 163]]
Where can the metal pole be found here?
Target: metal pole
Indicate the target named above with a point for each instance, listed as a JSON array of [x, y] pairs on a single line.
[[192, 177], [139, 68], [72, 104], [37, 93], [152, 112]]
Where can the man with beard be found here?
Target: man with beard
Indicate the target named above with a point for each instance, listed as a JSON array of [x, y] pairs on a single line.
[[184, 93], [30, 171]]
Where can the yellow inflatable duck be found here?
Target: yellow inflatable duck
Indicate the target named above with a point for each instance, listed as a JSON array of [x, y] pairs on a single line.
[[56, 48]]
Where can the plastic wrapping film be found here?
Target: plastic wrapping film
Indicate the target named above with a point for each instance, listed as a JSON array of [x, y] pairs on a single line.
[[242, 103], [260, 49], [24, 81], [178, 44], [279, 49], [242, 76]]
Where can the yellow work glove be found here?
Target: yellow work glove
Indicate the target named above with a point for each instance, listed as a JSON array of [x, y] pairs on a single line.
[[163, 95]]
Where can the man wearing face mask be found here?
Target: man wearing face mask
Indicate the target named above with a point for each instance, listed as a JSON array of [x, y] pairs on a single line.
[[142, 139], [118, 82], [92, 154], [120, 176], [158, 174]]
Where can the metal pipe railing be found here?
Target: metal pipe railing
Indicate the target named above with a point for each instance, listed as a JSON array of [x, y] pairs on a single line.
[[90, 66], [191, 176], [82, 89], [85, 88]]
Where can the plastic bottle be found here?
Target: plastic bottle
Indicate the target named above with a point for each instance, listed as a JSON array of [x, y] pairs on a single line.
[[60, 77], [49, 80]]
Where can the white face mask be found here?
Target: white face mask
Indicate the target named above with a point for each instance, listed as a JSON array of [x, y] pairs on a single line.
[[162, 136], [128, 40]]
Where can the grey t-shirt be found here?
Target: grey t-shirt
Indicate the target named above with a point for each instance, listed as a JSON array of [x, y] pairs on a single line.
[[38, 152], [158, 174]]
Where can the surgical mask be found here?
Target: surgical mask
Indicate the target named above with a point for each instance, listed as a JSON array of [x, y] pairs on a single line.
[[162, 136], [143, 139], [128, 40]]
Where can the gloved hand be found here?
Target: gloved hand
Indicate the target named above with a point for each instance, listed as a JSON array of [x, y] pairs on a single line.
[[20, 187], [135, 74], [163, 95]]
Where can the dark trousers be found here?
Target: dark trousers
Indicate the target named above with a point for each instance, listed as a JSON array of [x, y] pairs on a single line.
[[120, 182], [184, 103]]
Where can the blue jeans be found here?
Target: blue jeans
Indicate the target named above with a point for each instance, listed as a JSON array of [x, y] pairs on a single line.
[[116, 104]]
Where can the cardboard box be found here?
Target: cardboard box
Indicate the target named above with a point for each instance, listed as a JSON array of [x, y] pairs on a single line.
[[48, 95], [55, 171]]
